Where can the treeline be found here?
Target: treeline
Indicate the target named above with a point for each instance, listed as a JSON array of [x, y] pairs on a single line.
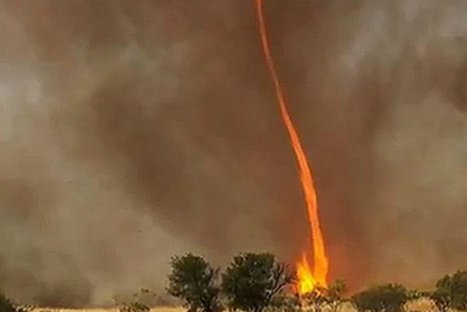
[[258, 282]]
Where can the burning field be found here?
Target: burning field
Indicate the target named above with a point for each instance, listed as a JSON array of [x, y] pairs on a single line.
[[330, 133]]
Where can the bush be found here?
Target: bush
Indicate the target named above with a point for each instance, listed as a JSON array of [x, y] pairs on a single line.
[[137, 303], [195, 282], [6, 305], [334, 295], [451, 292], [384, 298], [252, 281], [329, 299]]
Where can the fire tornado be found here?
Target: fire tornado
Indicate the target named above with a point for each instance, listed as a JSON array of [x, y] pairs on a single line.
[[307, 279]]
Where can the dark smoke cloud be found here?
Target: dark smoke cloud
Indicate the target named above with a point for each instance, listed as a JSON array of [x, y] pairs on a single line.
[[131, 132]]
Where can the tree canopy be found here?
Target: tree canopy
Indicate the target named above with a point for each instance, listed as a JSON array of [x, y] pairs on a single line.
[[252, 281], [195, 282]]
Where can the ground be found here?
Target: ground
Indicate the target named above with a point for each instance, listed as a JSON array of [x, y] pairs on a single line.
[[421, 305]]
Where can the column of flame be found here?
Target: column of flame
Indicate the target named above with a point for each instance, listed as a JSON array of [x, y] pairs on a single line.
[[307, 279]]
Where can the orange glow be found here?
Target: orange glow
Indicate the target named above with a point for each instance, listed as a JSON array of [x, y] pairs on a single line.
[[307, 279]]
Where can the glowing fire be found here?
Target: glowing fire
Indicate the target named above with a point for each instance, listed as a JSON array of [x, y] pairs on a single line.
[[307, 279]]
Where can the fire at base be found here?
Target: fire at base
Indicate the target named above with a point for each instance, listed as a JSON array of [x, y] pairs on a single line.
[[308, 280]]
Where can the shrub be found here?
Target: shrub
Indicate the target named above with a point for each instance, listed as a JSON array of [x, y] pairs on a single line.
[[195, 282], [451, 292], [252, 281], [329, 298], [285, 302], [384, 298], [136, 303], [6, 305], [334, 295]]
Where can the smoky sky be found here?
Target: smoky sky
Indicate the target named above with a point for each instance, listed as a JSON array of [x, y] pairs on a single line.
[[134, 131]]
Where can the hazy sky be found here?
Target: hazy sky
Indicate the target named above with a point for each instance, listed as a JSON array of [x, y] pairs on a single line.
[[134, 131]]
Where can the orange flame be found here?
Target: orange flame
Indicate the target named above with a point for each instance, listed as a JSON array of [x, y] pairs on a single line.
[[307, 280]]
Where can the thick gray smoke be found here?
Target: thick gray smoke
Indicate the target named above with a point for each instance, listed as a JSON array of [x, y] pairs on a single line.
[[133, 131]]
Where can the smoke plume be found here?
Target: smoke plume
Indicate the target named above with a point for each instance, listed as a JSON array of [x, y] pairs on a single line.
[[134, 131]]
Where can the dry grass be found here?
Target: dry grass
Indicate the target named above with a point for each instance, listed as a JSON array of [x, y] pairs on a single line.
[[422, 305], [158, 309]]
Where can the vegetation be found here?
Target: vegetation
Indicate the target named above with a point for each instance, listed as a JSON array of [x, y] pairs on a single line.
[[384, 298], [329, 299], [6, 305], [259, 283], [451, 292], [334, 295], [256, 282], [252, 281], [286, 302], [137, 303], [195, 282]]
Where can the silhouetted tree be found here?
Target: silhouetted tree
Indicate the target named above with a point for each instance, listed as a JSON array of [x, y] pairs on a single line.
[[451, 292], [252, 281], [195, 282], [384, 298]]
